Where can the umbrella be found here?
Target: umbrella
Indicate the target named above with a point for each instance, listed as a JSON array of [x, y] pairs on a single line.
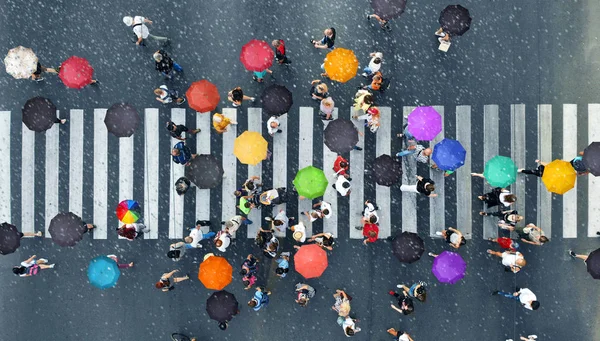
[[204, 171], [215, 273], [500, 171], [310, 182], [455, 20], [341, 65], [128, 211], [340, 136], [250, 148], [20, 62], [10, 238], [449, 267], [203, 96], [76, 72], [39, 114], [424, 123], [449, 154], [257, 55], [408, 247], [122, 119], [591, 158], [66, 229], [277, 100], [387, 170], [221, 306], [310, 261], [388, 9], [593, 263], [103, 272], [559, 176]]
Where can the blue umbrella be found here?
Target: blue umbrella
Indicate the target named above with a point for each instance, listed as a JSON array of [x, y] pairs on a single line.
[[103, 272], [449, 155]]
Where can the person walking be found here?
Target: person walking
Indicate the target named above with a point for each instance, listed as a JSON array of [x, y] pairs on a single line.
[[324, 208], [532, 234], [370, 232], [249, 265], [31, 267], [376, 81], [424, 186], [512, 260], [177, 129], [280, 54], [166, 95], [420, 153], [363, 100], [193, 240], [326, 109], [165, 64], [165, 281], [349, 326], [498, 196], [132, 231], [259, 76], [221, 122], [299, 231], [538, 171], [273, 126], [181, 154], [319, 90], [342, 303], [505, 243], [328, 40], [176, 251], [442, 36], [222, 239], [399, 335], [341, 166], [374, 64], [271, 247], [304, 293], [283, 264], [508, 219], [384, 24], [342, 185], [325, 240], [280, 221], [453, 237], [236, 96], [525, 296], [233, 224], [37, 74], [370, 213], [120, 265], [182, 185], [418, 290], [405, 303], [575, 255], [260, 299], [138, 24]]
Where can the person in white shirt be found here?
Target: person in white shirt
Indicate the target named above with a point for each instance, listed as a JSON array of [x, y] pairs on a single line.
[[525, 296], [196, 235], [325, 240], [222, 240], [273, 126], [140, 29], [313, 215], [370, 214], [400, 335], [513, 261], [374, 64], [325, 209], [280, 221], [299, 232], [165, 95], [342, 185], [233, 224], [30, 267], [349, 326]]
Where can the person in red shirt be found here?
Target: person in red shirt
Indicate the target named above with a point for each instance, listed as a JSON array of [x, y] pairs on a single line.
[[341, 167], [279, 45], [505, 243], [370, 232]]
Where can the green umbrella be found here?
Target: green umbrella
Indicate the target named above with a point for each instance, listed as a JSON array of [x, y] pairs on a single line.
[[500, 171], [310, 182]]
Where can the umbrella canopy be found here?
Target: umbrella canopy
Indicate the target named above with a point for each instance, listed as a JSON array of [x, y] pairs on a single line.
[[388, 9], [250, 148], [128, 211], [449, 154], [340, 136], [500, 171], [257, 55], [591, 158], [221, 306], [593, 264], [455, 20], [408, 247], [215, 273], [10, 238], [122, 119], [203, 96], [310, 182], [39, 114], [387, 170], [559, 176], [277, 100], [205, 171], [449, 267], [310, 261], [76, 72], [66, 229], [424, 123], [20, 62], [103, 272], [341, 65]]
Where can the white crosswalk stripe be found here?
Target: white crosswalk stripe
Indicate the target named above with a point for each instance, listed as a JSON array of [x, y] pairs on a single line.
[[5, 167]]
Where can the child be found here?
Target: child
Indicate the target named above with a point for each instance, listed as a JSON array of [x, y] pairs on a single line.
[[283, 264]]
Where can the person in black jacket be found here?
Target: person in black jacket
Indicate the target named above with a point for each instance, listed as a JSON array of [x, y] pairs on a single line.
[[424, 186], [165, 64], [328, 39]]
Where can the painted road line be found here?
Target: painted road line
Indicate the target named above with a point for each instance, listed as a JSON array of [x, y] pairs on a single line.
[[383, 145], [330, 225], [151, 171], [491, 145], [176, 201], [464, 209], [203, 122], [570, 151], [228, 201], [409, 176], [437, 205], [305, 158], [52, 175], [593, 182], [255, 124], [544, 204], [76, 162], [517, 150], [28, 180], [5, 187], [279, 169], [100, 175], [357, 173], [125, 170]]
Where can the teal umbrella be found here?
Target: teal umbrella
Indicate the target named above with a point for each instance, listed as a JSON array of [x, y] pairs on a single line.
[[500, 171], [103, 272]]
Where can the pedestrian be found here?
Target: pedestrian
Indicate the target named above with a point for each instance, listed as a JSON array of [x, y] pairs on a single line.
[[263, 236], [260, 299], [370, 232], [120, 265], [371, 118], [575, 255], [280, 221], [176, 251], [578, 165], [363, 100], [525, 296], [324, 209], [165, 281], [400, 335], [325, 240], [318, 90], [166, 95], [182, 185], [138, 24], [453, 237], [165, 64], [299, 232], [404, 302], [327, 41], [376, 82], [498, 196], [283, 264], [273, 126], [342, 185], [236, 96], [532, 234], [326, 109], [304, 293], [312, 215], [424, 186], [177, 129], [132, 231], [418, 290], [31, 267], [193, 240], [420, 153], [87, 227], [280, 55], [512, 260], [384, 24], [271, 247], [508, 219], [370, 213], [341, 166], [181, 153], [221, 122], [37, 74], [442, 36], [274, 196], [233, 224], [342, 303], [252, 184], [374, 64], [505, 243], [249, 265], [349, 326], [260, 75], [248, 280], [539, 171], [222, 239]]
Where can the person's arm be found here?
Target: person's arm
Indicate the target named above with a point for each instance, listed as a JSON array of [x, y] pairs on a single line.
[[178, 245], [148, 21], [419, 178], [397, 309], [530, 242], [169, 274], [30, 259], [408, 336], [317, 204], [432, 195], [139, 41]]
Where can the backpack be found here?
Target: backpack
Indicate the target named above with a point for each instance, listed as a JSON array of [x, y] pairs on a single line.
[[33, 270]]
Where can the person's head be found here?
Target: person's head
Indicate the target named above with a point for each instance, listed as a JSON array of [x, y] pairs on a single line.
[[377, 60], [408, 307], [427, 151], [279, 271], [543, 239], [510, 198], [252, 303], [188, 239], [244, 271], [237, 193], [175, 152], [218, 243], [349, 331], [430, 187], [325, 212], [159, 92], [157, 57], [19, 270], [328, 241], [535, 305], [173, 254], [343, 164], [127, 20], [327, 102], [228, 224], [181, 188], [250, 185], [521, 262], [302, 301], [368, 99], [518, 218], [373, 219], [372, 234], [159, 285], [277, 222], [377, 77], [273, 246], [328, 32], [170, 125], [346, 184], [222, 325], [322, 88], [247, 205], [421, 293], [297, 236], [216, 118], [276, 43], [274, 124], [463, 241]]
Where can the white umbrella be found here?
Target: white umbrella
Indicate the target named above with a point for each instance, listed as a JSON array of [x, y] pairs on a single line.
[[20, 62]]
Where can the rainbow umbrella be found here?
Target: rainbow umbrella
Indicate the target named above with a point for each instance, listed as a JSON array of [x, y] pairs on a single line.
[[128, 211]]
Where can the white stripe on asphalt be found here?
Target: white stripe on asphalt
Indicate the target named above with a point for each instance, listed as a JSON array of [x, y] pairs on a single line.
[[279, 170], [437, 205], [357, 173], [517, 150], [305, 159], [490, 149], [383, 146], [52, 175], [255, 124], [76, 162], [409, 172], [27, 153], [330, 225], [593, 182], [5, 191], [544, 212], [100, 175], [125, 170], [228, 201], [464, 209], [151, 171], [569, 151], [176, 207], [203, 147]]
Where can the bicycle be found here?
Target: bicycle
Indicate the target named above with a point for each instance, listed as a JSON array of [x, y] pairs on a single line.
[[181, 337]]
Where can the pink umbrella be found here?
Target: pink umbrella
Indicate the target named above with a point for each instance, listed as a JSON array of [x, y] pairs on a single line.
[[424, 123]]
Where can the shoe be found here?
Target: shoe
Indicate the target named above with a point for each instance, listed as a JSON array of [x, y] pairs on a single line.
[[598, 233], [279, 131], [358, 148], [198, 246], [51, 266], [248, 221], [39, 79], [368, 17], [438, 233], [253, 99], [399, 286], [235, 105], [358, 227], [268, 219], [63, 120], [430, 254], [364, 74], [180, 103], [392, 292], [254, 78], [38, 234], [495, 292], [572, 254], [222, 223], [43, 260]]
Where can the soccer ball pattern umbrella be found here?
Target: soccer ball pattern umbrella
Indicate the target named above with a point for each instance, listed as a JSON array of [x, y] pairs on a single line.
[[408, 247], [593, 264], [591, 158], [559, 176], [250, 148], [128, 211], [449, 267], [310, 182], [76, 72], [341, 65], [221, 306], [39, 114], [388, 9], [66, 229], [277, 100], [340, 136], [424, 123], [387, 170], [215, 273], [203, 96], [500, 171], [449, 154], [257, 55], [103, 272], [10, 238], [20, 62], [310, 261], [455, 20], [122, 119], [205, 171]]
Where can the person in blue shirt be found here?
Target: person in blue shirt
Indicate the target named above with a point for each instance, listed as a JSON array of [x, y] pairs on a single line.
[[182, 154], [260, 299], [283, 264]]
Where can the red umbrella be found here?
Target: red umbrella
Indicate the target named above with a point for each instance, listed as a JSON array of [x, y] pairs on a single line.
[[203, 96], [310, 261], [76, 72], [257, 55]]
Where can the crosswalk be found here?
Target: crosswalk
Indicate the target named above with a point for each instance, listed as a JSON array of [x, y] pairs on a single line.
[[39, 178]]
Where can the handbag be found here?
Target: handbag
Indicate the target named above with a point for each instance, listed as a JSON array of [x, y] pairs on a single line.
[[444, 46]]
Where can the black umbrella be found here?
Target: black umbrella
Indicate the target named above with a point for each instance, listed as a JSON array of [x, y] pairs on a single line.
[[455, 20], [276, 100], [122, 119], [387, 170], [39, 114], [591, 158], [341, 136], [388, 9], [221, 306], [10, 238], [593, 264], [205, 171], [408, 247], [66, 229]]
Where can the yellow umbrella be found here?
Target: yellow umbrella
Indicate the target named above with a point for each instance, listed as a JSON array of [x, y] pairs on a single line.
[[341, 65], [250, 148], [559, 176]]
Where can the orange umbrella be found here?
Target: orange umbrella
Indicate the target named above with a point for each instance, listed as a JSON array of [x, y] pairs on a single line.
[[215, 273], [559, 176], [250, 148], [310, 261], [341, 65], [203, 96]]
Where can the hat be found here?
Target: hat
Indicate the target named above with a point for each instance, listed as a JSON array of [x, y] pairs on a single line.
[[297, 235], [128, 20]]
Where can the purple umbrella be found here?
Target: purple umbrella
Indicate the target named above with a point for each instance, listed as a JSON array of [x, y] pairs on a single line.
[[449, 267], [424, 123]]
